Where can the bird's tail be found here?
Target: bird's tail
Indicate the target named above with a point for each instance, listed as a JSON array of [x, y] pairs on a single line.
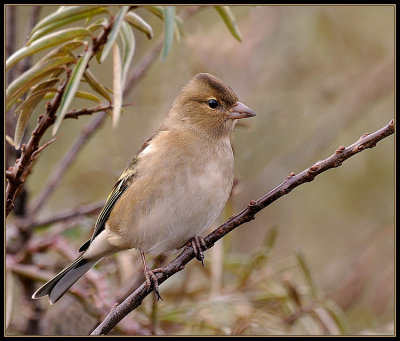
[[57, 286]]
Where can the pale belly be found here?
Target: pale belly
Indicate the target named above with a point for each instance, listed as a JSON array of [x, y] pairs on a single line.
[[188, 209]]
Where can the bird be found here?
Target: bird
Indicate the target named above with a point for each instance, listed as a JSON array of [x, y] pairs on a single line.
[[172, 190]]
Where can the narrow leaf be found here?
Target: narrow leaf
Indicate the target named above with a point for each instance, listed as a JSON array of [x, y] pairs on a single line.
[[78, 94], [117, 86], [45, 42], [307, 272], [17, 100], [339, 316], [128, 40], [43, 94], [61, 8], [42, 147], [156, 10], [26, 108], [55, 25], [10, 141], [96, 85], [139, 23], [88, 96], [99, 53], [62, 13], [71, 89], [229, 19], [178, 28], [101, 23], [9, 305], [114, 33], [64, 50], [169, 25], [30, 78]]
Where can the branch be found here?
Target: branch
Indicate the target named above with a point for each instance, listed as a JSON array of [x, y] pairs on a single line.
[[69, 157], [136, 74], [16, 174], [22, 166], [10, 16], [90, 111], [16, 178], [247, 214], [87, 111], [140, 70], [35, 273], [34, 14], [366, 88], [67, 215]]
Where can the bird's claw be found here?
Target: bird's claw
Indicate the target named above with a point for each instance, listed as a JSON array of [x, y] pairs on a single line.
[[198, 245], [152, 280]]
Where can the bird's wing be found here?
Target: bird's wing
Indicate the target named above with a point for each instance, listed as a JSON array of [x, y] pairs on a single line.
[[119, 188]]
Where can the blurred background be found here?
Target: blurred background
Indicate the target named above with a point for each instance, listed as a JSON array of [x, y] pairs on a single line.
[[320, 260]]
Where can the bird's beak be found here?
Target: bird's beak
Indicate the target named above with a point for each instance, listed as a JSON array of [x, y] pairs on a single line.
[[240, 111]]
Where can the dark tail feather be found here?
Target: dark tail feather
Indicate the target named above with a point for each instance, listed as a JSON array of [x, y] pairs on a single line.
[[57, 286]]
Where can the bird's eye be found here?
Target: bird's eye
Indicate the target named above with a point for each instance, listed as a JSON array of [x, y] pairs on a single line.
[[212, 103]]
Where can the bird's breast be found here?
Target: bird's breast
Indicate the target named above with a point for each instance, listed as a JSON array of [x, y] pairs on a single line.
[[181, 196], [195, 198]]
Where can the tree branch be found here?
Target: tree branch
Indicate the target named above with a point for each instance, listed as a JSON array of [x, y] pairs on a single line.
[[15, 176], [22, 166], [25, 64], [67, 215], [87, 111], [60, 169], [11, 24], [247, 214], [137, 73], [18, 171], [69, 157]]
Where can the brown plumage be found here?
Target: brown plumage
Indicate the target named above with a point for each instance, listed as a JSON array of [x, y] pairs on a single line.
[[173, 189]]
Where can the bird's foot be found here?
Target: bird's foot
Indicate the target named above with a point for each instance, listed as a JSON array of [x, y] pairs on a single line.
[[198, 245], [152, 280], [151, 277]]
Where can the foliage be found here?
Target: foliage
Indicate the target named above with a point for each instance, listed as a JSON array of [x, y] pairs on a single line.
[[75, 47]]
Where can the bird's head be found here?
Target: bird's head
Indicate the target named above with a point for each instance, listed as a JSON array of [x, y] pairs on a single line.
[[208, 105]]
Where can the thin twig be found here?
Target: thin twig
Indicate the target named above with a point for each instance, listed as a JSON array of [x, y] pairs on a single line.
[[366, 88], [45, 121], [247, 214], [11, 24], [18, 170], [64, 216], [75, 114], [137, 73], [32, 272], [70, 214], [140, 70], [20, 200], [58, 172], [87, 111], [42, 147], [26, 63], [67, 160]]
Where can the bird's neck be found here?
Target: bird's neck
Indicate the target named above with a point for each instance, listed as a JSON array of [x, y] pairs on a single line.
[[211, 132]]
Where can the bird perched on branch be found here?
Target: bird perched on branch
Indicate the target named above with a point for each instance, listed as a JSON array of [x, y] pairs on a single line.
[[172, 190]]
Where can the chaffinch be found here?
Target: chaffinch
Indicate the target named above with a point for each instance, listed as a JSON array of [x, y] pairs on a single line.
[[172, 190]]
